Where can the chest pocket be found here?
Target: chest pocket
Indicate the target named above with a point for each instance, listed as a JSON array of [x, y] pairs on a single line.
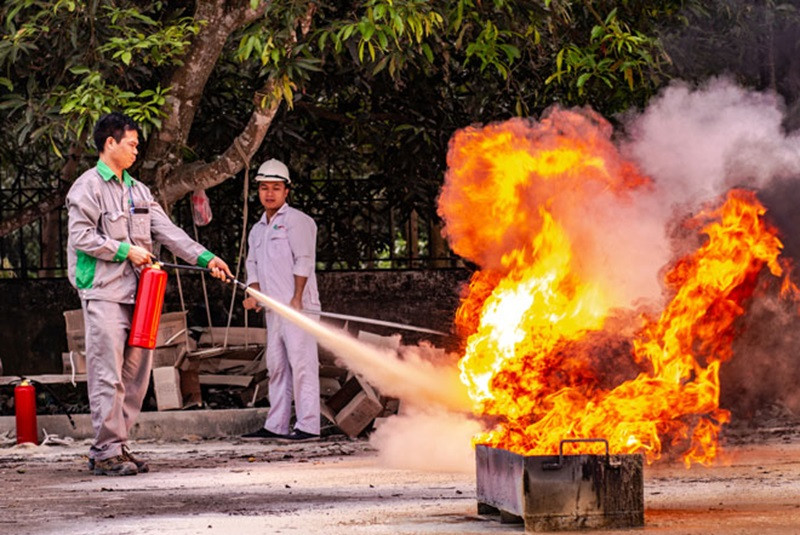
[[278, 244], [140, 227], [115, 225]]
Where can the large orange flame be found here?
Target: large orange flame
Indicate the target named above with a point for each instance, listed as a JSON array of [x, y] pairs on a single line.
[[529, 315]]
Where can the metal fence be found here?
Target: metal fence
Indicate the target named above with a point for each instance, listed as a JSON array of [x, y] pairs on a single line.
[[359, 227]]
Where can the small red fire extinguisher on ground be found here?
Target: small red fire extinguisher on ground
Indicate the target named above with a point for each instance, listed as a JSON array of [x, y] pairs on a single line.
[[147, 312], [25, 410]]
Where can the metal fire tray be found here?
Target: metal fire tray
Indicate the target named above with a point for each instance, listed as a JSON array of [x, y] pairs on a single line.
[[561, 492]]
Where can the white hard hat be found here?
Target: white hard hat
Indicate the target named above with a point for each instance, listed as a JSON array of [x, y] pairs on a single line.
[[273, 171]]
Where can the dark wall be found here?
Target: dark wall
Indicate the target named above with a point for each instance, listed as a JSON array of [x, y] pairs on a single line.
[[33, 335]]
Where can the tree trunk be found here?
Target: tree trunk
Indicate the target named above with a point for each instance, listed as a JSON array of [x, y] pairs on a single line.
[[220, 18], [202, 175], [162, 165]]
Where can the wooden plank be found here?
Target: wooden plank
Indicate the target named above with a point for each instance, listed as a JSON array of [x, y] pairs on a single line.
[[214, 365], [237, 336], [226, 380]]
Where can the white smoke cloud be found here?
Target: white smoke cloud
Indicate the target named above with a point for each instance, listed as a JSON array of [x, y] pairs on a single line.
[[695, 143], [418, 439], [698, 143]]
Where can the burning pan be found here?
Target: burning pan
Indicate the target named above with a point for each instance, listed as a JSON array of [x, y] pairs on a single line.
[[561, 492]]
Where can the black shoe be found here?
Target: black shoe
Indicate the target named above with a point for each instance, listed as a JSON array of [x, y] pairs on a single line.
[[300, 436], [262, 434]]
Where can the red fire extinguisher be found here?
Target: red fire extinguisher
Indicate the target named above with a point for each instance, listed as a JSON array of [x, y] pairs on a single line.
[[25, 410], [147, 312]]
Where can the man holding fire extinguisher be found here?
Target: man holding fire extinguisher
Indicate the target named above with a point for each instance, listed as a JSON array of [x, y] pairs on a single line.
[[113, 220]]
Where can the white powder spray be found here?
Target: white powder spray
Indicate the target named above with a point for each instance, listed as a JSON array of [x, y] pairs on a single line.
[[410, 378]]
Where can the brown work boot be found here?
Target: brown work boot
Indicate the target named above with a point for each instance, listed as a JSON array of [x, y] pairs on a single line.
[[141, 466], [115, 466]]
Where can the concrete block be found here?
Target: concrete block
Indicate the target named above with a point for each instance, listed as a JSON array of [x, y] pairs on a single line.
[[191, 395], [358, 413], [171, 329], [258, 389], [342, 397], [169, 425], [73, 361], [75, 330], [390, 406], [237, 336], [171, 355], [167, 386]]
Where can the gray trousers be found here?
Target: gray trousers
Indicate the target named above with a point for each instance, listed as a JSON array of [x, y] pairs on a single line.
[[293, 368], [118, 375]]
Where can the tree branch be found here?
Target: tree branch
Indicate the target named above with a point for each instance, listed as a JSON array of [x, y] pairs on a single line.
[[202, 175], [219, 18]]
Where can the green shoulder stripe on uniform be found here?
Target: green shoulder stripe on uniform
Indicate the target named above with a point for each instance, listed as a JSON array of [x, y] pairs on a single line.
[[205, 258], [122, 252], [84, 271]]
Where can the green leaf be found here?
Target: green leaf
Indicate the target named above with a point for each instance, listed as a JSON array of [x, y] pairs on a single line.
[[361, 51], [426, 50], [348, 31], [368, 31], [380, 65], [629, 77], [582, 79], [55, 147]]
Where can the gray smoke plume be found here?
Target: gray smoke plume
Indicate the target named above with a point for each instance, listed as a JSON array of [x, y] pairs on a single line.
[[697, 143]]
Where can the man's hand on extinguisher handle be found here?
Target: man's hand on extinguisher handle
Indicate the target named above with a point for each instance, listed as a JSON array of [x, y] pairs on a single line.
[[140, 256], [220, 269]]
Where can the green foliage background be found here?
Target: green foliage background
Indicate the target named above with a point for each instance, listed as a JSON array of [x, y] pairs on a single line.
[[371, 93]]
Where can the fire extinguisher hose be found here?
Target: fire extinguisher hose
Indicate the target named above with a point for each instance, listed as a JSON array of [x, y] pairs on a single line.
[[313, 312], [58, 402], [186, 267]]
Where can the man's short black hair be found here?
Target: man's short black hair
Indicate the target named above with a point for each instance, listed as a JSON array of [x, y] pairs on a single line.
[[115, 124]]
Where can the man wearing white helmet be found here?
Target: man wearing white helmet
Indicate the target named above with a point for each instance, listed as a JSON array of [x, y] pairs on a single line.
[[280, 263]]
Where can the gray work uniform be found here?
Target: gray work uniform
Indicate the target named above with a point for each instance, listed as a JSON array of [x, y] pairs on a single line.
[[106, 216], [278, 250]]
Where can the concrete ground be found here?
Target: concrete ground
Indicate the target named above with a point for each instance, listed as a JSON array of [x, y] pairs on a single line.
[[339, 486]]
